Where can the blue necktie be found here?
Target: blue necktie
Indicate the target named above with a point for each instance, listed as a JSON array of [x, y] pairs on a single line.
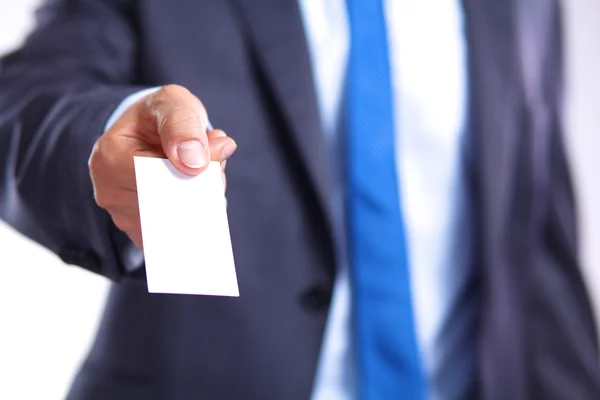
[[388, 360]]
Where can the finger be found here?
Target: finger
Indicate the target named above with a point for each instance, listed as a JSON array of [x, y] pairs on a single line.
[[215, 133], [126, 219], [115, 168], [221, 148], [113, 198], [181, 123]]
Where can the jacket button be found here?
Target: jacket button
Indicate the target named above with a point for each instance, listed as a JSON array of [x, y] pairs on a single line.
[[316, 299]]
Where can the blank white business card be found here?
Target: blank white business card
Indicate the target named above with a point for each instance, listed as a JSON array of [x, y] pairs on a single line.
[[185, 231]]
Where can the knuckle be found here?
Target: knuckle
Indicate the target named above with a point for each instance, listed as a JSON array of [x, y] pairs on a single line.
[[96, 159], [102, 199], [183, 119], [175, 108], [105, 159], [94, 162], [107, 198], [180, 115]]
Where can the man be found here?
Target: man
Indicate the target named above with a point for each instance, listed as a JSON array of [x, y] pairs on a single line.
[[400, 207]]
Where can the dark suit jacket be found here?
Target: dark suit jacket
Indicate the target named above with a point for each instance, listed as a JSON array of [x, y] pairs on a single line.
[[248, 62]]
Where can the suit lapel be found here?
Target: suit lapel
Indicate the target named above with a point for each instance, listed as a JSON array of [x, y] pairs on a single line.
[[278, 40]]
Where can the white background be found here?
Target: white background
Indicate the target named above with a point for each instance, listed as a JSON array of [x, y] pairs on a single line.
[[49, 311]]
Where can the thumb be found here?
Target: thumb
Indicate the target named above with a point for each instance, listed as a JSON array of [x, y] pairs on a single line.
[[181, 124]]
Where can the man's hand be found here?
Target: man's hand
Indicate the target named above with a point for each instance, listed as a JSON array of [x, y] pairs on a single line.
[[171, 123]]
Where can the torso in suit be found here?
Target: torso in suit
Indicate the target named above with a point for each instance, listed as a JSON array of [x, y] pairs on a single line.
[[536, 333]]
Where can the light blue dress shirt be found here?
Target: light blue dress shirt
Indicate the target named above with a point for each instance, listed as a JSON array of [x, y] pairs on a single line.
[[428, 66]]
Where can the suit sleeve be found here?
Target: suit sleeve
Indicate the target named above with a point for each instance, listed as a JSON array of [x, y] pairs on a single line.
[[56, 94]]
